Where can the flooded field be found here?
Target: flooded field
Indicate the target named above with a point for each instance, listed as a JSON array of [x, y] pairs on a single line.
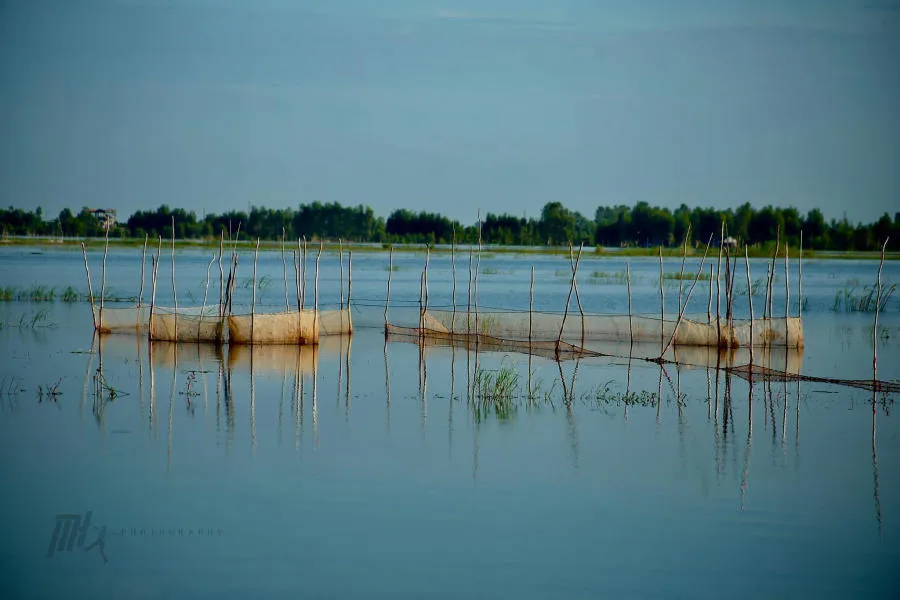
[[362, 468]]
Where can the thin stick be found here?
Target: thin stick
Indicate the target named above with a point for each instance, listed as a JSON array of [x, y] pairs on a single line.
[[787, 291], [688, 298], [221, 274], [154, 267], [421, 295], [297, 254], [662, 306], [469, 300], [800, 278], [709, 301], [287, 305], [568, 300], [143, 262], [387, 297], [90, 289], [766, 297], [253, 305], [341, 261], [205, 292], [628, 286], [750, 298], [719, 290], [772, 274], [427, 259], [577, 296], [103, 274], [349, 312], [877, 308], [318, 256], [453, 276], [303, 271], [530, 312], [174, 292]]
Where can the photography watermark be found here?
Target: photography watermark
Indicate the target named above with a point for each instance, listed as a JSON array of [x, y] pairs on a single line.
[[71, 531]]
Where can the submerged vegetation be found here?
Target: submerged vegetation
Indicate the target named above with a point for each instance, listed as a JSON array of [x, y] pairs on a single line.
[[41, 293]]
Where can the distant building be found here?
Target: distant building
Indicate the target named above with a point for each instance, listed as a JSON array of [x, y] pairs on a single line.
[[106, 217]]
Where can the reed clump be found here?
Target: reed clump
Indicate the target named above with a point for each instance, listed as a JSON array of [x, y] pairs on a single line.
[[495, 391]]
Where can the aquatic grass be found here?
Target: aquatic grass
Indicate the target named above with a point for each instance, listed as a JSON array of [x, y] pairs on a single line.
[[495, 392], [686, 276], [490, 271], [602, 277], [36, 320], [850, 299], [70, 295]]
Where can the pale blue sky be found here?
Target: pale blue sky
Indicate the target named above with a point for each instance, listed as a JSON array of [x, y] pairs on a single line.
[[450, 106]]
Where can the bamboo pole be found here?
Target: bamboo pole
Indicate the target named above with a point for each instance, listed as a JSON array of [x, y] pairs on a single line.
[[174, 291], [683, 259], [709, 301], [143, 262], [425, 275], [296, 263], [287, 305], [341, 261], [303, 271], [103, 275], [662, 306], [628, 287], [750, 299], [90, 288], [421, 296], [875, 327], [253, 304], [154, 268], [687, 299], [766, 296], [387, 297], [475, 290]]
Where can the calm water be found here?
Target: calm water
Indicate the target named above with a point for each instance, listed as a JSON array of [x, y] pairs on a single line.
[[358, 469]]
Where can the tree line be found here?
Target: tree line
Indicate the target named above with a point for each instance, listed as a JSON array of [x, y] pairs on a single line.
[[622, 225]]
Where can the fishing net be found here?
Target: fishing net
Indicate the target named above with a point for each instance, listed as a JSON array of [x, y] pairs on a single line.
[[335, 322], [187, 325], [289, 327], [576, 330], [125, 319]]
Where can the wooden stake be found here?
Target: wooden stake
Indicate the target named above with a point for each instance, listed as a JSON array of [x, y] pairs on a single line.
[[772, 274], [577, 296], [297, 272], [253, 305], [800, 279], [787, 294], [318, 256], [568, 300], [287, 305], [303, 271], [143, 262], [719, 289], [709, 301], [205, 292], [453, 276], [877, 308], [469, 300], [154, 267], [90, 289], [425, 275], [341, 261], [683, 259], [387, 297], [349, 312], [750, 299], [662, 306], [103, 275], [221, 275], [174, 292]]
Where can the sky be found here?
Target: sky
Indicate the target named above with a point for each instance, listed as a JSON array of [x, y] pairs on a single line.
[[451, 107]]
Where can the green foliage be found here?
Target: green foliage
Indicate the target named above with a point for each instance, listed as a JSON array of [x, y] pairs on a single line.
[[865, 300], [495, 392]]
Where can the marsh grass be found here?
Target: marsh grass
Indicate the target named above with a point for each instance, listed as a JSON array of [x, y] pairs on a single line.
[[490, 271], [850, 299], [686, 276], [37, 320], [495, 392]]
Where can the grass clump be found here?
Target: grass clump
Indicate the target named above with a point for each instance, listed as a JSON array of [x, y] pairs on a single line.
[[602, 277], [850, 299], [495, 392]]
